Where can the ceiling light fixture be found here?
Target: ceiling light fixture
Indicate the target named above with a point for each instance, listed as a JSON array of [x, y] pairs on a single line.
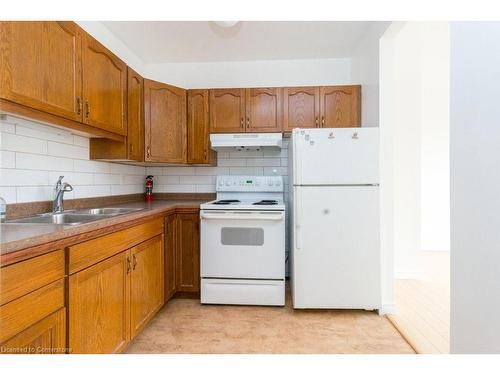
[[226, 24]]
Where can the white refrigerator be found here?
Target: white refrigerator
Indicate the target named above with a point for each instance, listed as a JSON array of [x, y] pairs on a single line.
[[335, 240]]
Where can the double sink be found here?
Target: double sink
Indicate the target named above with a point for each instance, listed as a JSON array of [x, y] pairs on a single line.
[[75, 217]]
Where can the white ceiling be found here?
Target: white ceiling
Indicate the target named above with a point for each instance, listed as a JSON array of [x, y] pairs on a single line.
[[201, 41]]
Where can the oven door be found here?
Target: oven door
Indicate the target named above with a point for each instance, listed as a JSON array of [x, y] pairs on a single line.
[[243, 244]]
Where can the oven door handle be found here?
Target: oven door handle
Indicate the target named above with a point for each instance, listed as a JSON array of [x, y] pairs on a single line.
[[242, 216]]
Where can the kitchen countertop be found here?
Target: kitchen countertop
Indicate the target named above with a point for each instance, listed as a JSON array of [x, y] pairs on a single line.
[[19, 241]]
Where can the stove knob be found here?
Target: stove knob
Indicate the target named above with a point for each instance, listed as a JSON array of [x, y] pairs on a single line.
[[228, 183], [221, 183], [270, 183]]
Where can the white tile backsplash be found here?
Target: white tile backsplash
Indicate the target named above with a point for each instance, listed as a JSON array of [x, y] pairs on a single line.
[[33, 156]]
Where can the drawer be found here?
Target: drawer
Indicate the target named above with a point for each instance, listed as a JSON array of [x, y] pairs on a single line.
[[87, 253], [24, 277], [23, 312]]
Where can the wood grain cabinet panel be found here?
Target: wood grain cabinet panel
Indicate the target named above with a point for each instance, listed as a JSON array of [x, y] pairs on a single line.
[[165, 123], [48, 336], [170, 254], [188, 253], [18, 315], [99, 306], [24, 277], [227, 110], [147, 282], [40, 66], [340, 106], [104, 87], [300, 107], [133, 147], [264, 110], [199, 128]]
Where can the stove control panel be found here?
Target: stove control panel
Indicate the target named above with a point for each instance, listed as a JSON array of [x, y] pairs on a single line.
[[250, 183]]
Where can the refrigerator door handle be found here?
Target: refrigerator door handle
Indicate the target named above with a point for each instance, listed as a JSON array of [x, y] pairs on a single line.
[[298, 218]]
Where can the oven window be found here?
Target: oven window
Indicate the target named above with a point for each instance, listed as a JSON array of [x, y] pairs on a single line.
[[242, 236]]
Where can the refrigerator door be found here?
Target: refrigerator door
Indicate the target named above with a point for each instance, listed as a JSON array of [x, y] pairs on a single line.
[[336, 251], [335, 156]]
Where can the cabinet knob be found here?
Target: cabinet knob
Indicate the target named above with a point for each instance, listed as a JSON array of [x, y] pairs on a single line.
[[248, 122], [242, 123], [78, 106], [128, 265], [323, 121], [316, 121], [131, 148], [148, 152]]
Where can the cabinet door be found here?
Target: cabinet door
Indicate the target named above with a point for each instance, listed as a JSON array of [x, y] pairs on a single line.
[[188, 253], [146, 283], [264, 110], [340, 106], [227, 110], [104, 88], [300, 107], [135, 118], [165, 122], [170, 234], [198, 127], [99, 306], [48, 336], [40, 66]]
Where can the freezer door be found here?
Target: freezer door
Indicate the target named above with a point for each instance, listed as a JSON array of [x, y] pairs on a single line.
[[335, 156], [336, 251]]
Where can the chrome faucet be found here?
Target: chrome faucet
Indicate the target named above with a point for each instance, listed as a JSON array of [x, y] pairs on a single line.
[[60, 189]]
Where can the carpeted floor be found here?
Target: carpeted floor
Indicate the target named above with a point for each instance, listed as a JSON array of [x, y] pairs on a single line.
[[186, 326]]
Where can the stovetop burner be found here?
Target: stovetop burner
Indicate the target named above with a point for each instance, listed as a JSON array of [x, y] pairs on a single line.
[[266, 202], [227, 201]]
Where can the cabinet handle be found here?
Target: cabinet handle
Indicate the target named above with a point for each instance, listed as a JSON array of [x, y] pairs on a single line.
[[242, 123], [248, 122], [78, 106], [316, 121], [148, 152], [322, 121], [87, 109], [131, 148], [205, 155], [128, 265], [134, 262]]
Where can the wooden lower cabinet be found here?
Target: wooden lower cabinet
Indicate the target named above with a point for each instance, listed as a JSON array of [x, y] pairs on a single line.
[[146, 284], [188, 252], [99, 306], [48, 336], [170, 264]]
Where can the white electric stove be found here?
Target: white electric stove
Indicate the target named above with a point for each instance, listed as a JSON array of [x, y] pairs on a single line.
[[243, 242]]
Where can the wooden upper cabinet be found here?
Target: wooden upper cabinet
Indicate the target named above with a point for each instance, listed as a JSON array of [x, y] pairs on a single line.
[[264, 110], [227, 110], [188, 253], [340, 106], [99, 306], [40, 66], [104, 87], [165, 122], [198, 127], [146, 284], [301, 107], [135, 118]]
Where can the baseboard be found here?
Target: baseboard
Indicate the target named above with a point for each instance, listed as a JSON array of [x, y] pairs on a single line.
[[388, 308]]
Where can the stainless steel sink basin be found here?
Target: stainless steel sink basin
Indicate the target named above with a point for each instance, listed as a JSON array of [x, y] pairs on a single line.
[[62, 219], [107, 211]]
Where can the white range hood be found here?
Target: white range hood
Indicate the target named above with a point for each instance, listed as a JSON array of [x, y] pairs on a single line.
[[245, 141]]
